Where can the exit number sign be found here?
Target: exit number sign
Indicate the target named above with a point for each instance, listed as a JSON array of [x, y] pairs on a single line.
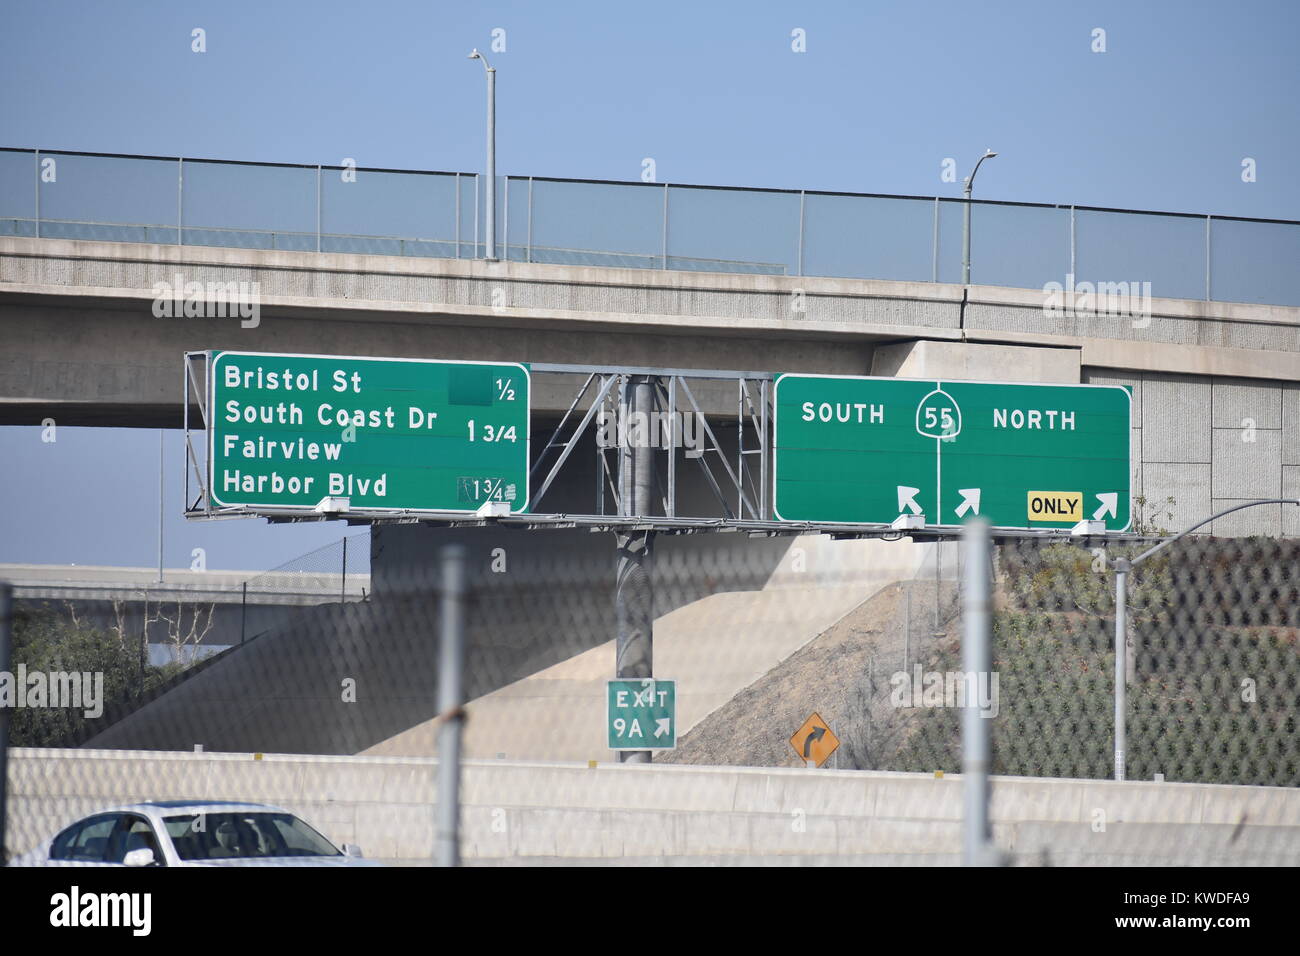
[[641, 714]]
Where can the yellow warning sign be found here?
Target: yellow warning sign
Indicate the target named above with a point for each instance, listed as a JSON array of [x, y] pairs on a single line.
[[814, 740], [1056, 506]]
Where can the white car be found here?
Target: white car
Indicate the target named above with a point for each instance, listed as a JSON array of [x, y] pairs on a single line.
[[191, 833]]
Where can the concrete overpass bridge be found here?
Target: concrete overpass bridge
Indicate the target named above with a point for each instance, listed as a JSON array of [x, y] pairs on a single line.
[[1206, 333], [1198, 315], [1217, 405], [183, 607]]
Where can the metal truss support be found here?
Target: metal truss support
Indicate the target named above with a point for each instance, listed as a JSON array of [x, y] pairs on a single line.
[[742, 492], [572, 441], [195, 392]]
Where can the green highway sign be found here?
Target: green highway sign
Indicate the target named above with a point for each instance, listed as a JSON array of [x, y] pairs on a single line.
[[287, 431], [641, 714], [871, 450]]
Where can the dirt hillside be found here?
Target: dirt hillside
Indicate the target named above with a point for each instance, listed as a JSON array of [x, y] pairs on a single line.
[[842, 674]]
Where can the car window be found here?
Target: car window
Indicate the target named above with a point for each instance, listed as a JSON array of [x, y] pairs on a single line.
[[134, 833], [86, 840], [246, 834], [299, 839]]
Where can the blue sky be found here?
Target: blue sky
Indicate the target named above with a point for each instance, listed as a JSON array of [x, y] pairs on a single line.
[[712, 92]]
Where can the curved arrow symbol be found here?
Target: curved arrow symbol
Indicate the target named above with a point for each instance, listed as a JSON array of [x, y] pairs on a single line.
[[817, 733], [907, 499], [1109, 505], [970, 501]]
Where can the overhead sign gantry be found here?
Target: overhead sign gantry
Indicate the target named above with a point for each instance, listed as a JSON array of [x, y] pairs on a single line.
[[292, 437]]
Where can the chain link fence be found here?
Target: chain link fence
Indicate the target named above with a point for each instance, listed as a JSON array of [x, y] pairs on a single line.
[[312, 208], [339, 571], [337, 714]]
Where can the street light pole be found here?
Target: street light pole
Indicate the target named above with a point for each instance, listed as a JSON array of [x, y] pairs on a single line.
[[1122, 568], [965, 233], [491, 237]]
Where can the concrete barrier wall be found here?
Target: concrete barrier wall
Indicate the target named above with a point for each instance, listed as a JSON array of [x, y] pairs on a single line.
[[521, 812]]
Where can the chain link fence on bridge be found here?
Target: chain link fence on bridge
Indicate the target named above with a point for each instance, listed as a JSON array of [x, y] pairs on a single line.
[[311, 208]]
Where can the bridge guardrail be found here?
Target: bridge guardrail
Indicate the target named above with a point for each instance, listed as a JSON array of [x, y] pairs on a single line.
[[644, 225]]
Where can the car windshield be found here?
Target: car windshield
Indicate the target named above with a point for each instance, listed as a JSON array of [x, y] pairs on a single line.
[[245, 835]]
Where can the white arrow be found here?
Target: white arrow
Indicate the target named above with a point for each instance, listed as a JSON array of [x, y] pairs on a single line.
[[662, 726], [1109, 505], [970, 501], [907, 499]]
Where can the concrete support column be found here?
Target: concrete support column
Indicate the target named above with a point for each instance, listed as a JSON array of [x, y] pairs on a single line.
[[634, 589]]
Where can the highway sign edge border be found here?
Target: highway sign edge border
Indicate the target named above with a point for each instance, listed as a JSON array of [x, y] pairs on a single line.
[[825, 723], [217, 354], [641, 747], [1128, 393]]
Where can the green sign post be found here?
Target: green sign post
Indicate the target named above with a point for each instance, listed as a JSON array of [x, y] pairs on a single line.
[[287, 431], [872, 450], [641, 714]]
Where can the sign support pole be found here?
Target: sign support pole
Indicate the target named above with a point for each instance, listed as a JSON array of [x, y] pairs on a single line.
[[1122, 568], [451, 716], [976, 655], [6, 630], [634, 594]]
